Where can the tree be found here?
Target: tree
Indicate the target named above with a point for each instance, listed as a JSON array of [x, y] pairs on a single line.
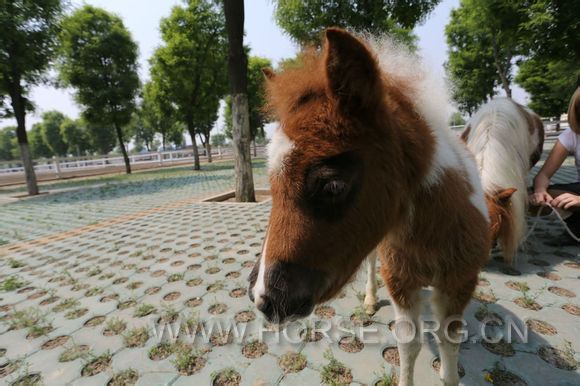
[[456, 119], [218, 139], [550, 83], [186, 65], [101, 136], [99, 60], [483, 42], [304, 20], [7, 137], [158, 112], [28, 38], [552, 42], [238, 76], [76, 136], [255, 100], [51, 133], [38, 146]]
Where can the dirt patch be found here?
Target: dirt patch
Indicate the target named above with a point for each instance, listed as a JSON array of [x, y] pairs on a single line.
[[221, 339], [245, 316], [171, 296], [501, 377], [541, 327], [571, 309], [56, 342], [558, 358], [233, 275], [238, 292], [350, 344], [217, 309], [124, 378], [109, 298], [160, 351], [572, 264], [28, 380], [562, 292], [152, 290], [502, 348], [97, 365], [254, 349], [436, 365], [73, 353], [292, 362], [391, 355], [310, 335], [227, 377], [485, 297], [193, 302], [126, 304], [549, 275], [483, 282], [325, 312], [528, 303], [49, 300]]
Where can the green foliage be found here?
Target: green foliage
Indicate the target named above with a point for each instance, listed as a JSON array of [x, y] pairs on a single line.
[[483, 41], [304, 20], [7, 143], [255, 99], [218, 139], [99, 59], [76, 136], [158, 113], [50, 130], [189, 69], [38, 147], [11, 283], [456, 119], [550, 84], [101, 136], [552, 30], [28, 40]]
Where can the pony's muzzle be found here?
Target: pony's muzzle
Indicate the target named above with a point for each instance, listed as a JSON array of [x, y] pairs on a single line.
[[284, 291]]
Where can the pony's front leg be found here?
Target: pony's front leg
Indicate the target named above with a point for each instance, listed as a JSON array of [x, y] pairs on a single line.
[[407, 311], [370, 302], [448, 308]]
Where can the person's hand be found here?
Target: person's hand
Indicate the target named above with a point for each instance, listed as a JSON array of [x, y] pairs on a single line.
[[540, 198], [566, 201]]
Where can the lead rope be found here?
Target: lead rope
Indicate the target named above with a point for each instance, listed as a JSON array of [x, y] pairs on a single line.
[[558, 215]]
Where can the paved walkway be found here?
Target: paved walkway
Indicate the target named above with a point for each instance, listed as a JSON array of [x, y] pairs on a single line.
[[89, 276]]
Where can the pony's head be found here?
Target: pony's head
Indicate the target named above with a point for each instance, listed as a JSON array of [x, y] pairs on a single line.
[[335, 186], [501, 218]]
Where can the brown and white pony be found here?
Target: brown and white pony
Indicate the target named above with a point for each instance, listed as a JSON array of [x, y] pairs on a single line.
[[507, 140], [362, 159]]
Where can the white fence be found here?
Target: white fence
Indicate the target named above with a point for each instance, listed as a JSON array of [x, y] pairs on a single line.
[[71, 164]]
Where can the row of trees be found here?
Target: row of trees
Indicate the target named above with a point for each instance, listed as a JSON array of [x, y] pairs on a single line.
[[95, 55], [535, 43]]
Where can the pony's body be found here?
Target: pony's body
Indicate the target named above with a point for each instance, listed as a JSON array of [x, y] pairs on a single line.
[[362, 160], [507, 141]]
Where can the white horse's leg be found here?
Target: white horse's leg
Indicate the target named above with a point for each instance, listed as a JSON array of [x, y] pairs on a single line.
[[371, 287], [407, 333], [444, 307]]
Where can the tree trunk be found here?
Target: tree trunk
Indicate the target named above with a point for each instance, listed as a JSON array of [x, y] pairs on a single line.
[[20, 114], [255, 148], [501, 71], [238, 77], [123, 149], [191, 130], [208, 149]]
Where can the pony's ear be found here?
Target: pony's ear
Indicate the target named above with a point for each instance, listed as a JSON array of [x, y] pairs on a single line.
[[351, 70], [268, 73], [504, 195]]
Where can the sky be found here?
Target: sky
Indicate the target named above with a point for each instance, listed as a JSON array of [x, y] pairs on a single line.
[[263, 36]]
